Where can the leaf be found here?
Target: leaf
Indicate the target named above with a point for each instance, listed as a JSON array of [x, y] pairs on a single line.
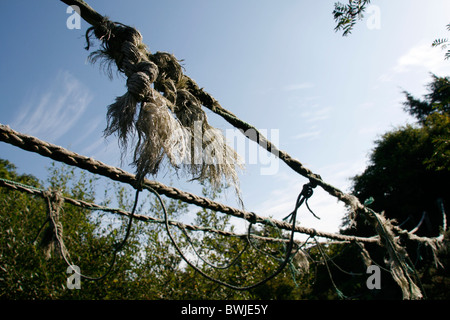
[[439, 42]]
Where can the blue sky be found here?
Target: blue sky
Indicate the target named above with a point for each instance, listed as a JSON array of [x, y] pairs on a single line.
[[278, 65]]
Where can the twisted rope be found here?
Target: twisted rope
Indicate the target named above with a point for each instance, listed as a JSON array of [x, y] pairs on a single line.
[[397, 264], [52, 239], [58, 153], [144, 218]]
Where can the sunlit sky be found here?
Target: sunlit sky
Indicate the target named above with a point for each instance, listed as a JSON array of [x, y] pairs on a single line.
[[278, 65]]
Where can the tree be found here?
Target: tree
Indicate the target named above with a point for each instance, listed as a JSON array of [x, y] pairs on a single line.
[[346, 16], [443, 43], [409, 166], [90, 237], [231, 260], [436, 101], [408, 175], [148, 266], [27, 273]]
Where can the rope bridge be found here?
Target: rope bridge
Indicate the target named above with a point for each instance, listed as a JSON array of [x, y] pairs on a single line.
[[169, 103]]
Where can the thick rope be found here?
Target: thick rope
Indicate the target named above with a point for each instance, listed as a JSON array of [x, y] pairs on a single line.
[[58, 153], [53, 237], [306, 193], [398, 260]]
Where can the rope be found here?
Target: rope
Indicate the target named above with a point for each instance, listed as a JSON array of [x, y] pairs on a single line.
[[397, 260], [52, 238], [92, 206], [164, 124], [339, 292], [118, 247], [253, 134], [58, 153], [304, 195], [307, 192], [53, 235]]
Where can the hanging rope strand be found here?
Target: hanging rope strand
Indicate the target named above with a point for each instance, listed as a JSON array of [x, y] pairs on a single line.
[[180, 252], [222, 267]]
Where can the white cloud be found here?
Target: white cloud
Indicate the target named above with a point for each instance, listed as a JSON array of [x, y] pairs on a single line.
[[339, 174], [50, 113], [421, 57], [316, 114], [298, 86], [370, 130], [94, 148], [386, 77], [307, 135], [367, 105], [90, 126]]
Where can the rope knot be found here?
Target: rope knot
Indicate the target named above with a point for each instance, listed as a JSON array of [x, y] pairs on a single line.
[[167, 110], [149, 68], [307, 190], [139, 85], [169, 66], [131, 52]]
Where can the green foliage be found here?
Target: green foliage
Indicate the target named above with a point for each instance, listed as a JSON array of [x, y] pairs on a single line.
[[8, 171], [410, 165], [25, 272], [435, 279], [436, 101], [402, 179], [147, 267], [443, 43], [438, 129], [407, 174], [346, 16]]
